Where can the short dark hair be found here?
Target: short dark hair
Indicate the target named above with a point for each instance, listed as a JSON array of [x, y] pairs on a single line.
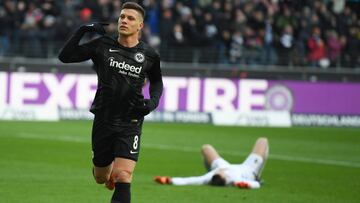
[[217, 180], [135, 6]]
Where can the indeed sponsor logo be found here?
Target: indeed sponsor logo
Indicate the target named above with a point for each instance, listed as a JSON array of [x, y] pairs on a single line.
[[124, 67]]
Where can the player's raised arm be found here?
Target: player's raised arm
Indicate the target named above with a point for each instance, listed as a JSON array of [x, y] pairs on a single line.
[[72, 51]]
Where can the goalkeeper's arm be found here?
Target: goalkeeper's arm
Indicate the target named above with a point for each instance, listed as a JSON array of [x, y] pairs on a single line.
[[194, 180]]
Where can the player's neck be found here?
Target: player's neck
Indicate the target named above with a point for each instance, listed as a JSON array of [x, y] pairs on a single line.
[[128, 41]]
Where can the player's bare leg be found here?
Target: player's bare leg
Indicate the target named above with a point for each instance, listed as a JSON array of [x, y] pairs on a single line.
[[210, 154], [102, 174], [123, 170], [261, 147], [122, 176]]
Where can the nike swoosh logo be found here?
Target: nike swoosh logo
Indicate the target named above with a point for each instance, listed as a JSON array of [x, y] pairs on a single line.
[[90, 25], [133, 152], [114, 50]]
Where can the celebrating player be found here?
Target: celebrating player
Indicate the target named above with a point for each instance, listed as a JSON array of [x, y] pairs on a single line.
[[222, 173], [121, 64]]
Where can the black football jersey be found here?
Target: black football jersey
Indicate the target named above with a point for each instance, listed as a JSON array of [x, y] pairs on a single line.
[[121, 72]]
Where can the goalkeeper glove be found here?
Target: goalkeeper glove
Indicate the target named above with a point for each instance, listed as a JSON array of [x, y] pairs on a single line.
[[164, 180]]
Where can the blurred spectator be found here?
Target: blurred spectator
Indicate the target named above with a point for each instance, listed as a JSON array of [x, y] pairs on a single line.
[[253, 46], [352, 48], [269, 55], [284, 18], [338, 6], [286, 45], [152, 16], [224, 47], [345, 21], [303, 33], [47, 27], [30, 34], [7, 16], [239, 20], [177, 37], [204, 3], [236, 47], [209, 34], [335, 46], [104, 9], [177, 44], [166, 26], [316, 45], [149, 38], [85, 15]]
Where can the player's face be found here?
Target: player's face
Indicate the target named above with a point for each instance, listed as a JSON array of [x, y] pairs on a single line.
[[130, 22]]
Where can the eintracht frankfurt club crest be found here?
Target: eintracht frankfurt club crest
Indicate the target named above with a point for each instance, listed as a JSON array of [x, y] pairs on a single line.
[[139, 57]]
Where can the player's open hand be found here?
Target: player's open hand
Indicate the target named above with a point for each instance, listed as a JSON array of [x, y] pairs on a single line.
[[97, 27], [164, 180]]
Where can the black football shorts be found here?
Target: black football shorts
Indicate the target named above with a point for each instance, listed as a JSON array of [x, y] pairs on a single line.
[[109, 142]]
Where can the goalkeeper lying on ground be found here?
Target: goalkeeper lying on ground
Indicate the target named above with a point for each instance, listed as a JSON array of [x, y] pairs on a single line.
[[222, 173]]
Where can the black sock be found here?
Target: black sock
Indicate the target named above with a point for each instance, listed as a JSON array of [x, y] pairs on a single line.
[[122, 193]]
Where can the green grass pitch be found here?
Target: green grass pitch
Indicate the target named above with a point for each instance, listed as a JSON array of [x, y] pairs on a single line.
[[50, 162]]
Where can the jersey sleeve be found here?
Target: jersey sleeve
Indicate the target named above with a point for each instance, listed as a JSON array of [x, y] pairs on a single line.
[[156, 84], [72, 52], [194, 180]]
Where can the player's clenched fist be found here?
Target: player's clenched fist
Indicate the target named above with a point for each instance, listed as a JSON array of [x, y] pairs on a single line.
[[140, 111], [97, 27]]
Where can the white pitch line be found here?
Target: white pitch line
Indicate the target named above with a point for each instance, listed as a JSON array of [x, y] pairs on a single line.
[[65, 138], [69, 138]]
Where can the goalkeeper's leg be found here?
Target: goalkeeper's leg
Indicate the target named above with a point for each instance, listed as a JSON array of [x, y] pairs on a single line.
[[261, 148], [209, 154]]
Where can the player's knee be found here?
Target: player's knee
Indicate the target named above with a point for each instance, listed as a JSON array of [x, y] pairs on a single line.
[[122, 176], [263, 145], [206, 147], [263, 140], [100, 179]]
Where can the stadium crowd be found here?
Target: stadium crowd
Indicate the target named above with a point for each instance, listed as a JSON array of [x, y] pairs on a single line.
[[269, 32]]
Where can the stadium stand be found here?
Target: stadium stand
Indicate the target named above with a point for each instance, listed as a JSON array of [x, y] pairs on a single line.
[[256, 34]]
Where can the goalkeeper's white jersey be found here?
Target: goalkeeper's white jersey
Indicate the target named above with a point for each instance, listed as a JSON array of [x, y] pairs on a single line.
[[245, 172]]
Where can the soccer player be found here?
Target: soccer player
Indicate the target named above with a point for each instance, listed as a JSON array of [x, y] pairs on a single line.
[[222, 173], [122, 64]]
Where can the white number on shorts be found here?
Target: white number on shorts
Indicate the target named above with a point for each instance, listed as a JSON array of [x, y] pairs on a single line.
[[136, 142]]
